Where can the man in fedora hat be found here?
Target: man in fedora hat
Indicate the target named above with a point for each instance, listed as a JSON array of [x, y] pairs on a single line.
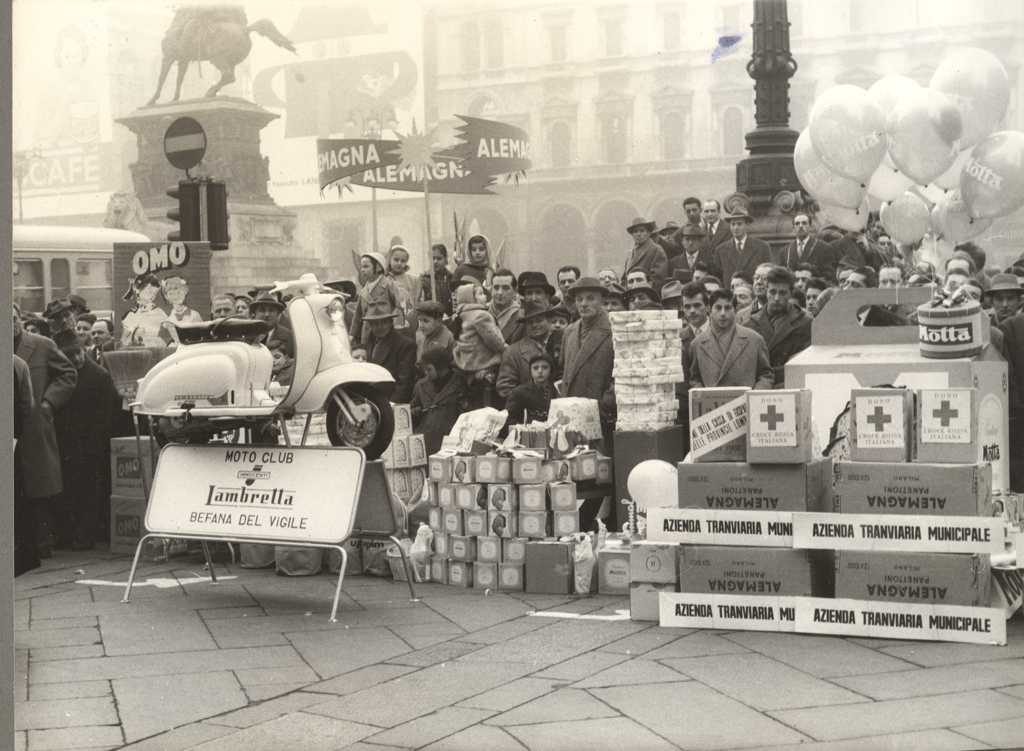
[[646, 255], [644, 295], [1004, 295], [534, 287], [389, 349], [693, 241], [741, 252], [267, 308], [615, 298], [666, 237], [60, 314], [538, 340]]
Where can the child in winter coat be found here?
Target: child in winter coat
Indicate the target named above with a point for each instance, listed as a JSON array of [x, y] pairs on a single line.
[[480, 345], [437, 399], [531, 402]]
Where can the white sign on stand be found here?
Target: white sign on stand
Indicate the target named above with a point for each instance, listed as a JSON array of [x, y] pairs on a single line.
[[292, 496]]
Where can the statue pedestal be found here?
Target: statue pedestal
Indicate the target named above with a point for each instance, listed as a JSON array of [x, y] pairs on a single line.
[[262, 244]]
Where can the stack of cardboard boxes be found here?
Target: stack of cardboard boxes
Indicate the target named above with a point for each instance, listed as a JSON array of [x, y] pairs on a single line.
[[488, 510], [405, 460], [128, 491]]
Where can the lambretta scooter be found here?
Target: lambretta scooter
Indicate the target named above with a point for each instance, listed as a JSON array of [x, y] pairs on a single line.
[[219, 378]]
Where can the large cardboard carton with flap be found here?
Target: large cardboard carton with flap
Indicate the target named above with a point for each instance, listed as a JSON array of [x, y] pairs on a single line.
[[845, 355]]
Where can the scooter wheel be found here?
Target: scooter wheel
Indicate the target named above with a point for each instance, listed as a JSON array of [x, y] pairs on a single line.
[[374, 435]]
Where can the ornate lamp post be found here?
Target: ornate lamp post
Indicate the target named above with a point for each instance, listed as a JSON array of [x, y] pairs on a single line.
[[766, 182]]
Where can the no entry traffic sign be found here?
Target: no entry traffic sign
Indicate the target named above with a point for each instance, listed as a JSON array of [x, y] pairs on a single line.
[[185, 143]]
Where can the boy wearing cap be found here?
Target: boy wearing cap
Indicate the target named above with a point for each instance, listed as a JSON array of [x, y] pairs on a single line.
[[431, 332]]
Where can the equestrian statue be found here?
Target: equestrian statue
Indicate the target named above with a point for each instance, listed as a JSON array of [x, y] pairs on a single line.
[[219, 34]]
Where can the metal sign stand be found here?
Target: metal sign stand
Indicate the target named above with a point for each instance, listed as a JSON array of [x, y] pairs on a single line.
[[385, 529]]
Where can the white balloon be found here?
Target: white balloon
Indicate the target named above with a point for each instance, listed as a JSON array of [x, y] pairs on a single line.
[[853, 220], [953, 222], [848, 132], [889, 91], [821, 182], [887, 182], [654, 483], [906, 219], [922, 131], [951, 178], [976, 81]]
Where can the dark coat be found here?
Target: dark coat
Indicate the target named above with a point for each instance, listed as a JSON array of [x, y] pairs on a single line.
[[1013, 350], [396, 353], [817, 253], [788, 336], [705, 254], [755, 252], [719, 236], [846, 253], [515, 362], [745, 364], [434, 411], [53, 381], [651, 259], [23, 401], [587, 365], [529, 403], [445, 288]]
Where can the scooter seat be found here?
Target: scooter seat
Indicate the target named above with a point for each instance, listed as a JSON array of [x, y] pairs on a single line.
[[220, 330]]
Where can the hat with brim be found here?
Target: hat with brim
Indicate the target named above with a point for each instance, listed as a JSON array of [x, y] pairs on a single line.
[[641, 223], [671, 289], [616, 290], [739, 214], [56, 308], [645, 289], [535, 280], [587, 284], [559, 311], [669, 228], [694, 230], [377, 258], [379, 311], [266, 300], [1005, 283], [532, 309]]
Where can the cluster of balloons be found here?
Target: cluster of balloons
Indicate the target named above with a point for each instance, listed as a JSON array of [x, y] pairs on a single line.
[[926, 154]]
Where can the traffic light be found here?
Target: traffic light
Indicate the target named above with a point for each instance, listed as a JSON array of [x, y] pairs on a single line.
[[217, 215], [187, 215]]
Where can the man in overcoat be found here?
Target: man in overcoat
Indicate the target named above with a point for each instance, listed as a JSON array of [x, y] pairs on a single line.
[[646, 255], [725, 354], [785, 328]]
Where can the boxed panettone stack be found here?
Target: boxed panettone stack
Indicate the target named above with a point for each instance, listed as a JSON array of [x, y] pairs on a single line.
[[648, 365], [405, 459]]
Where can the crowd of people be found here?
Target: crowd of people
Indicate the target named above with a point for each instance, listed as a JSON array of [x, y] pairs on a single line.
[[468, 335]]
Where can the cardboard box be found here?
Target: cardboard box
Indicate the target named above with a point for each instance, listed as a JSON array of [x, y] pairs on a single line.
[[534, 524], [463, 469], [914, 577], [513, 550], [502, 523], [549, 568], [613, 571], [654, 562], [605, 470], [417, 451], [707, 400], [446, 494], [633, 447], [460, 574], [462, 548], [432, 494], [845, 355], [485, 575], [945, 426], [417, 481], [496, 469], [127, 523], [919, 489], [471, 497], [400, 452], [439, 569], [441, 544], [488, 549], [510, 577], [453, 523], [556, 470], [731, 570], [126, 467], [435, 518], [527, 470], [780, 428], [533, 498], [881, 425], [643, 600], [583, 466], [403, 419], [439, 466], [565, 523], [562, 496], [503, 498], [399, 482], [735, 486], [475, 523]]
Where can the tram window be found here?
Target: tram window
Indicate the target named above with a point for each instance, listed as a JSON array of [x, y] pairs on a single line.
[[29, 292], [94, 282], [60, 278]]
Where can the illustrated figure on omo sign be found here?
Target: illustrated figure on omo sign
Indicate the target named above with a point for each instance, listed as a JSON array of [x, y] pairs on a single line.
[[175, 291], [144, 323]]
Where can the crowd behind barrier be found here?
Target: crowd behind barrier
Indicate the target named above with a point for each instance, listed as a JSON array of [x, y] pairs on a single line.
[[493, 337]]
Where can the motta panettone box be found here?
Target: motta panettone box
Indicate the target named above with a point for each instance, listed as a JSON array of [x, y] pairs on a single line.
[[738, 486], [460, 574], [704, 401], [653, 562], [533, 498], [462, 548], [613, 571], [779, 429], [488, 549], [493, 469], [534, 524], [562, 496], [918, 489], [485, 575], [940, 578], [565, 523], [471, 497], [513, 550], [439, 569], [503, 497], [733, 570], [403, 419], [510, 577], [946, 427], [527, 470], [475, 522], [502, 523], [881, 425]]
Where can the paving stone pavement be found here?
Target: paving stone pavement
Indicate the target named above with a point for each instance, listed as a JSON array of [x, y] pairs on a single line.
[[252, 663]]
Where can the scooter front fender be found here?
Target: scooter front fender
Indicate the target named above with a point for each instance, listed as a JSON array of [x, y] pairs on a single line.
[[314, 397]]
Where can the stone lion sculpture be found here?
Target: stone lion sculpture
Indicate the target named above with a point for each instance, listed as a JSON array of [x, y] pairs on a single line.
[[124, 211]]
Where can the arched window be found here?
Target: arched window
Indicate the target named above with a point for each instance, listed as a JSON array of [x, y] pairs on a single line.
[[470, 47], [560, 141], [732, 132], [673, 136]]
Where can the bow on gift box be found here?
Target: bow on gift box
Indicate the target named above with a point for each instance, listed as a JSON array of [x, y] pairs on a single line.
[[950, 298]]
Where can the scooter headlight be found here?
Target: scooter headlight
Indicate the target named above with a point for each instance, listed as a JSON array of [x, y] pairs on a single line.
[[336, 310]]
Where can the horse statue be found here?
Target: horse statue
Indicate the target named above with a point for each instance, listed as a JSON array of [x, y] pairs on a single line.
[[219, 34]]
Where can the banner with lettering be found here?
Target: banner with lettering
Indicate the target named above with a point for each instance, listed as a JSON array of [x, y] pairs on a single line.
[[483, 151]]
